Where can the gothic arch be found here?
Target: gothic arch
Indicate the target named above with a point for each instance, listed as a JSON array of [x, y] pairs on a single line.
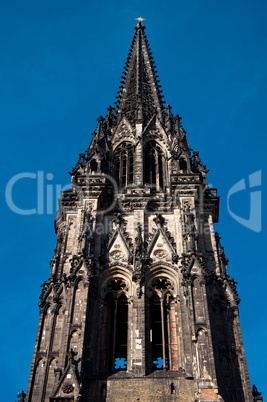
[[199, 328], [159, 270], [162, 336], [122, 141], [115, 324], [154, 165], [78, 280], [116, 273], [162, 340], [124, 163]]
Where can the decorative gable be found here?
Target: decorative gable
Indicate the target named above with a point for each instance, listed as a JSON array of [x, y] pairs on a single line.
[[118, 250], [161, 245], [120, 247], [68, 387], [123, 132]]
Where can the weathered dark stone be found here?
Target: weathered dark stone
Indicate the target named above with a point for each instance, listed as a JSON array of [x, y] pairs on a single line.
[[137, 265]]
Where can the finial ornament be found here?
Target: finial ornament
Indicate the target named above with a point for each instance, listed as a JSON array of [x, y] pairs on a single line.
[[140, 19]]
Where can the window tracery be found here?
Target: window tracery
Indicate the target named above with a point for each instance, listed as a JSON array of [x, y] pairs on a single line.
[[162, 336], [124, 161], [154, 166], [115, 326]]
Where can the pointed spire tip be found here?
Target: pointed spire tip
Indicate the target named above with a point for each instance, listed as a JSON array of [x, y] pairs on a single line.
[[140, 25], [140, 19]]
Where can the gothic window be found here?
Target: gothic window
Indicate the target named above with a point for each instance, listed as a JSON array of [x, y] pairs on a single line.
[[124, 161], [120, 335], [162, 330], [154, 166], [114, 333], [159, 332], [107, 333]]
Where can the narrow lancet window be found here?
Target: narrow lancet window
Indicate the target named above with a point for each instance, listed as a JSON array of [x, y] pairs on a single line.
[[159, 333], [124, 162], [154, 166], [121, 334], [114, 333], [107, 333]]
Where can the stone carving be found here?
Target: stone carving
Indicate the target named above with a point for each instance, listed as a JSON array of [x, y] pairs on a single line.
[[67, 388], [116, 284], [162, 284], [161, 228], [160, 254], [116, 255]]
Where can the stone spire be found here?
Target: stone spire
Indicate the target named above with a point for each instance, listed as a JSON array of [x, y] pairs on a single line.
[[140, 94], [151, 315]]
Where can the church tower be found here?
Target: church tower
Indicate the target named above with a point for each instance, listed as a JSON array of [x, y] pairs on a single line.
[[139, 305]]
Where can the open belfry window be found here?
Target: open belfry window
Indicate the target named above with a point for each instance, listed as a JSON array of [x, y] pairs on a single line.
[[159, 336], [162, 333], [124, 161], [154, 166], [114, 329]]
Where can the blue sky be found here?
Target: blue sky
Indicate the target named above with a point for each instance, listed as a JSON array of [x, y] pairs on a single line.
[[61, 63]]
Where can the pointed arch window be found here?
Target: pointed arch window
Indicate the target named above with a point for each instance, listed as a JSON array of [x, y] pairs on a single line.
[[154, 165], [163, 339], [160, 332], [124, 162], [114, 333], [121, 333]]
